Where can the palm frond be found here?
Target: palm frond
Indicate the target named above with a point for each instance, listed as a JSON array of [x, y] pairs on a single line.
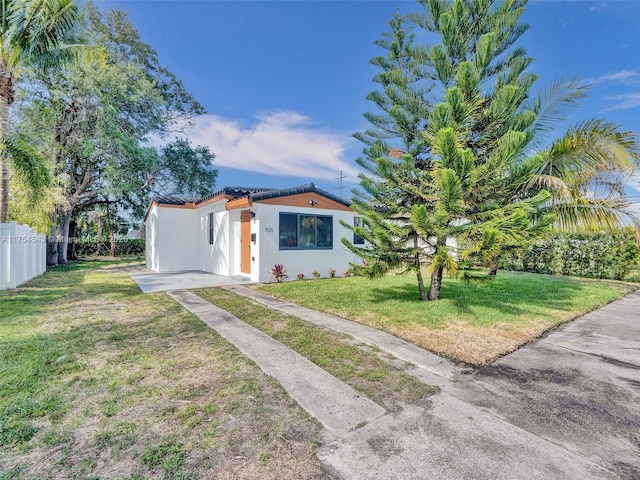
[[37, 29], [29, 165], [588, 214], [592, 146], [552, 103], [551, 183]]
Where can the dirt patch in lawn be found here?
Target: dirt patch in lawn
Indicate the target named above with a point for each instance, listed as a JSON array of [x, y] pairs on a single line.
[[474, 345], [103, 381]]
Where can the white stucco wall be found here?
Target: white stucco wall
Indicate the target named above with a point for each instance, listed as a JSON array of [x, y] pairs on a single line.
[[172, 239], [214, 258], [267, 252], [178, 239]]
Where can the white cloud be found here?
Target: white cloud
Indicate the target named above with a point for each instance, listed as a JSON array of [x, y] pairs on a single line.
[[598, 7], [279, 143], [622, 76], [623, 101]]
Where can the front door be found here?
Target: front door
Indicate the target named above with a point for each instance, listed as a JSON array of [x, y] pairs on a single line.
[[245, 241]]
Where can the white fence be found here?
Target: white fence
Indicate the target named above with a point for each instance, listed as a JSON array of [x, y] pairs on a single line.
[[23, 254]]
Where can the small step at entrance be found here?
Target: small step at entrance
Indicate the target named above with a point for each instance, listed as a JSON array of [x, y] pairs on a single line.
[[240, 278]]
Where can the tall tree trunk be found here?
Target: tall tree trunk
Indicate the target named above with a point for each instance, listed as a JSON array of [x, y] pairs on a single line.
[[63, 233], [112, 243], [436, 283], [112, 240], [436, 275], [493, 268], [99, 237], [52, 248], [423, 292], [72, 237], [6, 99]]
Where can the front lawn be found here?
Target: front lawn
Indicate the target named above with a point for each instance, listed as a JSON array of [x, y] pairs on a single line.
[[473, 323], [98, 380]]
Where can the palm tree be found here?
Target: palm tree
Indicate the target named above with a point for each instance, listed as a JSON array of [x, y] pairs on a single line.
[[586, 170], [31, 32]]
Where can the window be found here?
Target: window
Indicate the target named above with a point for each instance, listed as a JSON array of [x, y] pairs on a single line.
[[211, 228], [301, 231], [357, 239]]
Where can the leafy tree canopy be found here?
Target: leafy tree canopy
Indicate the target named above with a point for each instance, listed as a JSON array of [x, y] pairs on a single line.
[[92, 118]]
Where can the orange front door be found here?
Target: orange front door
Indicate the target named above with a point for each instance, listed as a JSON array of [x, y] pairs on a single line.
[[245, 241]]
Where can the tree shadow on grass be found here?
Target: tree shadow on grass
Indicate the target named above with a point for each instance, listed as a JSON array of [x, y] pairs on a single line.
[[62, 287], [508, 295]]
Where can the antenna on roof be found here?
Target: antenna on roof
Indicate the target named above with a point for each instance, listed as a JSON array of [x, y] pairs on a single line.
[[341, 177]]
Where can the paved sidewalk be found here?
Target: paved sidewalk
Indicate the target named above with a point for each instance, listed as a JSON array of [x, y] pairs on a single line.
[[371, 336]]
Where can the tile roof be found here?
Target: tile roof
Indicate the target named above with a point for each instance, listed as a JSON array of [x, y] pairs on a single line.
[[235, 192], [253, 194], [173, 200], [309, 187]]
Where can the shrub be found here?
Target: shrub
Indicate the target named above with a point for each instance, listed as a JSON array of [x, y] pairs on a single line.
[[278, 272], [332, 273], [301, 276], [124, 246], [316, 274], [612, 255]]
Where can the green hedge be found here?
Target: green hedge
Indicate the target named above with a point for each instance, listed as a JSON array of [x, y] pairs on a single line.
[[124, 246], [613, 255]]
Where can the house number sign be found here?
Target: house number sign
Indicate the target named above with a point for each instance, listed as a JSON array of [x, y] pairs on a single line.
[[268, 229]]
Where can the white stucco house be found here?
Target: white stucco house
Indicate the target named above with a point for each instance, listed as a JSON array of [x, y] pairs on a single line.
[[246, 231]]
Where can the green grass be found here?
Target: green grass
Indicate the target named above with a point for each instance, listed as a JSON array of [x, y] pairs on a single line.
[[360, 366], [98, 380], [473, 322]]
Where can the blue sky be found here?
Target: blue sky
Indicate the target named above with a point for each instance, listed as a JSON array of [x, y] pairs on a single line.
[[284, 82]]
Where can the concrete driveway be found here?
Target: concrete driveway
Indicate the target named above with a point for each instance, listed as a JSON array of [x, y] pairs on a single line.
[[579, 388], [151, 282], [564, 407]]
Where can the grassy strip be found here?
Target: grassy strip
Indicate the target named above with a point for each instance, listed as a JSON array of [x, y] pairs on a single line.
[[473, 323], [100, 380], [384, 381]]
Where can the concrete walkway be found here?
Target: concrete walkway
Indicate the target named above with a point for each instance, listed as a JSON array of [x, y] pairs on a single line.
[[339, 408], [151, 282], [388, 343], [564, 407]]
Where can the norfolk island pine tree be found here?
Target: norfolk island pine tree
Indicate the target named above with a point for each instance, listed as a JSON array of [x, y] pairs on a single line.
[[460, 147]]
